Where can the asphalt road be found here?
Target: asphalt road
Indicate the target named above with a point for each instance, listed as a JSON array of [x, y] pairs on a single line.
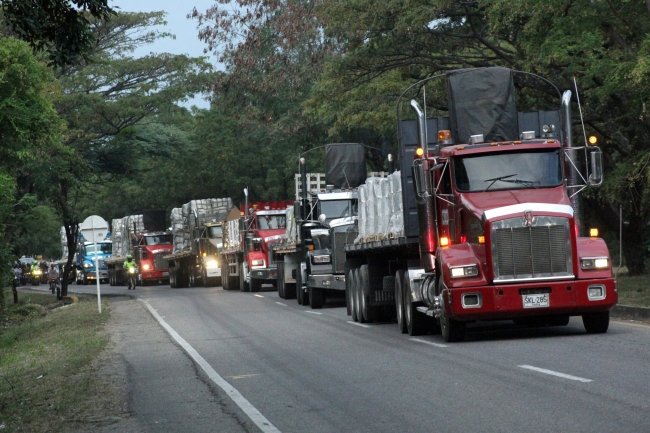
[[315, 371]]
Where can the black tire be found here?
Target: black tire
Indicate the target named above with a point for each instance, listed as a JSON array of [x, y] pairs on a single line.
[[172, 277], [316, 298], [255, 285], [358, 296], [85, 280], [191, 276], [370, 313], [596, 323], [280, 280], [348, 291], [399, 301], [452, 330], [353, 295], [243, 284], [204, 279], [416, 322], [300, 293]]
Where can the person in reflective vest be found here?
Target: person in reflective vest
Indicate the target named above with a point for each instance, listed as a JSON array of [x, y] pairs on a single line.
[[128, 264]]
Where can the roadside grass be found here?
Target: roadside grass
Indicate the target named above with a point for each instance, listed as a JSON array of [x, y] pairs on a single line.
[[634, 291], [46, 364]]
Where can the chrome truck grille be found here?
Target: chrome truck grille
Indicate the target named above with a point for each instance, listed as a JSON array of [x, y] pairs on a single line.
[[341, 238], [158, 262], [541, 250]]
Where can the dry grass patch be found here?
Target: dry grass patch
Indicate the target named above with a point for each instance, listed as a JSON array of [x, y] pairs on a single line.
[[634, 291], [47, 380]]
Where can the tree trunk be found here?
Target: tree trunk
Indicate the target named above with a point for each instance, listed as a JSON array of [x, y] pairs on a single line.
[[633, 239]]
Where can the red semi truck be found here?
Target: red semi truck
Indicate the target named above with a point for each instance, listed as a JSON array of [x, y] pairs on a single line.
[[248, 259], [492, 224]]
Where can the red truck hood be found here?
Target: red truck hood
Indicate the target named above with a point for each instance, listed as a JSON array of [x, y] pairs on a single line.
[[501, 203], [270, 235], [163, 248]]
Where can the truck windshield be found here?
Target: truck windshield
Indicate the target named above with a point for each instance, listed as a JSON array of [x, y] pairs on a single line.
[[498, 171], [337, 208], [271, 222], [158, 240], [215, 232], [104, 248]]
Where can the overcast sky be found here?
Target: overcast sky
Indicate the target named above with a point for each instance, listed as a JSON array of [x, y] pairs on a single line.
[[186, 42]]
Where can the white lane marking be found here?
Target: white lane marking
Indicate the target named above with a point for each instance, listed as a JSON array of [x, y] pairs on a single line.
[[358, 324], [280, 303], [250, 410], [259, 296], [430, 343], [313, 312], [555, 373]]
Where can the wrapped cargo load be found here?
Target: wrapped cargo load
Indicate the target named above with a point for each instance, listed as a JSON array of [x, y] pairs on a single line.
[[292, 233], [372, 217], [396, 223], [362, 214], [196, 213], [382, 194], [231, 235]]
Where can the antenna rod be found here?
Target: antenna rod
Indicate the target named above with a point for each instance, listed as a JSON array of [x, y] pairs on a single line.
[[580, 110]]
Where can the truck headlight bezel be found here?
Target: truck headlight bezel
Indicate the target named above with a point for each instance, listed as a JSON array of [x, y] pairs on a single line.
[[321, 259], [594, 263], [464, 271]]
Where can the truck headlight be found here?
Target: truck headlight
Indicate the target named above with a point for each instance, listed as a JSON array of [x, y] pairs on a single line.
[[321, 259], [211, 264], [594, 263], [88, 265], [146, 267], [257, 263], [464, 271]]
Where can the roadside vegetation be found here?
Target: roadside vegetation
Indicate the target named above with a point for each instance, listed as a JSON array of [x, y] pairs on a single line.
[[633, 290], [48, 357]]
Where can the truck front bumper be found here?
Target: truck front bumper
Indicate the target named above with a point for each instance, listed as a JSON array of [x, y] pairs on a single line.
[[213, 272], [155, 275], [328, 281], [91, 275], [270, 274], [508, 301]]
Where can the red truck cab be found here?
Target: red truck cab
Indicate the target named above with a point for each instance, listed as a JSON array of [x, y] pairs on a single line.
[[149, 256], [267, 224]]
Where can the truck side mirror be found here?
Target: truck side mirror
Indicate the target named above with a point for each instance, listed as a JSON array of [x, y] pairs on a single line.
[[596, 175]]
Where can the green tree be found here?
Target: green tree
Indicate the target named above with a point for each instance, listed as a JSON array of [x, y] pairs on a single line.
[[61, 28]]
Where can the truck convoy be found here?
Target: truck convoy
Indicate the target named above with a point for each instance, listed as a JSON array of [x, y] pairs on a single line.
[[197, 229], [248, 259], [145, 237], [311, 256], [490, 222]]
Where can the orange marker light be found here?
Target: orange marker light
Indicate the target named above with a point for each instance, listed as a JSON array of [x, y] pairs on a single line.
[[444, 136], [593, 140], [460, 148], [444, 241], [419, 151], [593, 233], [481, 239]]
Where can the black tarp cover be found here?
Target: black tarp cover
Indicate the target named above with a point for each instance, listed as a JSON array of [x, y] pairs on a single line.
[[482, 101], [345, 165]]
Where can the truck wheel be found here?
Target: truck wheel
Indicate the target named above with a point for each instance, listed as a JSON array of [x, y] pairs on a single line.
[[353, 294], [358, 296], [399, 301], [172, 277], [348, 304], [370, 313], [452, 330], [280, 280], [415, 321], [316, 298], [596, 323], [243, 284], [299, 292], [255, 285], [85, 281], [191, 276]]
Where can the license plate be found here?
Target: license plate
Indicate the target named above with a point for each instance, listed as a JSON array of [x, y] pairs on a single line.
[[536, 301], [165, 274]]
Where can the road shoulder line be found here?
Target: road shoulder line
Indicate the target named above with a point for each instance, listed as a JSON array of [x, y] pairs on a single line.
[[555, 373], [430, 343], [358, 324], [241, 401]]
